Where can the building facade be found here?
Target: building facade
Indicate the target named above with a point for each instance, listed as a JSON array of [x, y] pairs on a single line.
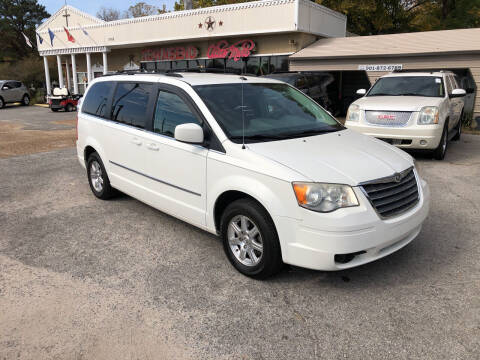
[[254, 38]]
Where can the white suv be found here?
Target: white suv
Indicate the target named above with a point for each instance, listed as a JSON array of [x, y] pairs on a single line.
[[255, 161], [421, 110]]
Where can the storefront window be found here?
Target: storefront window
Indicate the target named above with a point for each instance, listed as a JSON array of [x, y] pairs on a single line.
[[235, 67], [278, 63], [253, 65], [163, 65], [216, 64], [196, 64], [150, 66], [179, 65]]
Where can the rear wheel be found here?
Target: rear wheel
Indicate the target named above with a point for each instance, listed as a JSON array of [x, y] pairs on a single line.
[[439, 152], [69, 107], [98, 178], [26, 100], [2, 103], [250, 239]]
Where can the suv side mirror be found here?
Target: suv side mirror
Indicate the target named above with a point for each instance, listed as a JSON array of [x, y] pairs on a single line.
[[189, 133], [458, 93], [361, 92], [5, 87]]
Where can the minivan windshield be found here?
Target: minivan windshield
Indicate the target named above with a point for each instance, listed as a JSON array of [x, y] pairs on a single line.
[[268, 111], [429, 86]]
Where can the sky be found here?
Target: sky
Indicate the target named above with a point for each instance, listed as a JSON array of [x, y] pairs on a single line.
[[92, 6]]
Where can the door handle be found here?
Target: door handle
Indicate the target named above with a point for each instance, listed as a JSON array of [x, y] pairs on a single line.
[[136, 141], [153, 147]]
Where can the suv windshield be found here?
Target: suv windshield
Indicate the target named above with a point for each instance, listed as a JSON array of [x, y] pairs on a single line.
[[270, 112], [429, 86]]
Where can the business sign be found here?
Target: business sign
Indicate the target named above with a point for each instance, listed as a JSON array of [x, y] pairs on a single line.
[[170, 53], [380, 67], [236, 51]]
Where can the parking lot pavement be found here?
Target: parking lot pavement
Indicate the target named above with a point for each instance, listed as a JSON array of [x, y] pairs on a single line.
[[91, 279], [33, 129]]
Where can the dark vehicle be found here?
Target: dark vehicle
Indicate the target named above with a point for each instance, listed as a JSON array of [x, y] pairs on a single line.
[[13, 91], [315, 85], [62, 99]]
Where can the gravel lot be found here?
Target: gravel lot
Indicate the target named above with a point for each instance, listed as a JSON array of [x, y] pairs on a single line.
[[82, 278]]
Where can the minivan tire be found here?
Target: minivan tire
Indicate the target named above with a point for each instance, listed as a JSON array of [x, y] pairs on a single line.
[[96, 169], [441, 150], [270, 261], [26, 100]]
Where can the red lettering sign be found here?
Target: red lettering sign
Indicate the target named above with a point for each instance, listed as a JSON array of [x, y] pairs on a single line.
[[170, 53], [223, 50]]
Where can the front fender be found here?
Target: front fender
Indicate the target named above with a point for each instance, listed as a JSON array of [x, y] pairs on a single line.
[[275, 195]]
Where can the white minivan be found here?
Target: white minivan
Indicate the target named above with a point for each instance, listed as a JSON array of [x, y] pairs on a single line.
[[255, 161]]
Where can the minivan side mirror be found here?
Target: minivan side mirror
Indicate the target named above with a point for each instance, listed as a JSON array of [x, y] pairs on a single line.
[[189, 133], [458, 93], [361, 91], [5, 87]]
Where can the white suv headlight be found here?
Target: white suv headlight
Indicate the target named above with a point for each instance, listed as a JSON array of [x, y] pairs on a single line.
[[324, 197], [353, 113], [428, 115]]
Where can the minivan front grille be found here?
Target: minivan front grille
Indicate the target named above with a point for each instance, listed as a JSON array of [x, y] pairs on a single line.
[[393, 195], [388, 118]]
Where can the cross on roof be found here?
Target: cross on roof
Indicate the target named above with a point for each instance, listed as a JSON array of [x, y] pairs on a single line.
[[66, 15]]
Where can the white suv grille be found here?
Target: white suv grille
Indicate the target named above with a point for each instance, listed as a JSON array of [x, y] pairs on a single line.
[[388, 118]]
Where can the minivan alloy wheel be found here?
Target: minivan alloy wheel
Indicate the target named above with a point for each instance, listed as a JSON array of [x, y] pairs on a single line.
[[96, 176], [245, 240]]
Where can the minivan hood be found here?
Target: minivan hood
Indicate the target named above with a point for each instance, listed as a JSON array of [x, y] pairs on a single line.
[[342, 157], [397, 103]]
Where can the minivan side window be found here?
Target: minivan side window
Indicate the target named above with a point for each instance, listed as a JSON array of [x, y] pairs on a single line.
[[171, 111], [95, 102], [130, 103]]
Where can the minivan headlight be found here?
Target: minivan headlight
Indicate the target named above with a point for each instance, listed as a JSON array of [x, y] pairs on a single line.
[[324, 197], [428, 115], [353, 113]]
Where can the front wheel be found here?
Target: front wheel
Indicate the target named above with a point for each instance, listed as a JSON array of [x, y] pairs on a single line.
[[439, 152], [26, 100], [2, 103], [98, 178], [250, 239]]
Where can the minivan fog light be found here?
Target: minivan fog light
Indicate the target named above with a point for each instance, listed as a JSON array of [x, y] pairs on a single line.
[[324, 197]]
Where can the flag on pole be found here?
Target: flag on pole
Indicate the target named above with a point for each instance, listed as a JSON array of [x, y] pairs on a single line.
[[40, 39], [69, 36], [27, 40], [52, 35], [84, 31]]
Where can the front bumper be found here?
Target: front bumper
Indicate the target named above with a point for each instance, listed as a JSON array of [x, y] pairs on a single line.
[[314, 241], [407, 137]]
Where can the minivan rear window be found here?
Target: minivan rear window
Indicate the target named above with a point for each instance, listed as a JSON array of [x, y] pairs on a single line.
[[95, 102], [130, 103]]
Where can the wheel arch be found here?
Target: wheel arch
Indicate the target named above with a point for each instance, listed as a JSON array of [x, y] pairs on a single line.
[[226, 198]]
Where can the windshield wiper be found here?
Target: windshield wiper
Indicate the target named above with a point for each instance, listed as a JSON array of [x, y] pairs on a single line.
[[259, 137], [310, 133]]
